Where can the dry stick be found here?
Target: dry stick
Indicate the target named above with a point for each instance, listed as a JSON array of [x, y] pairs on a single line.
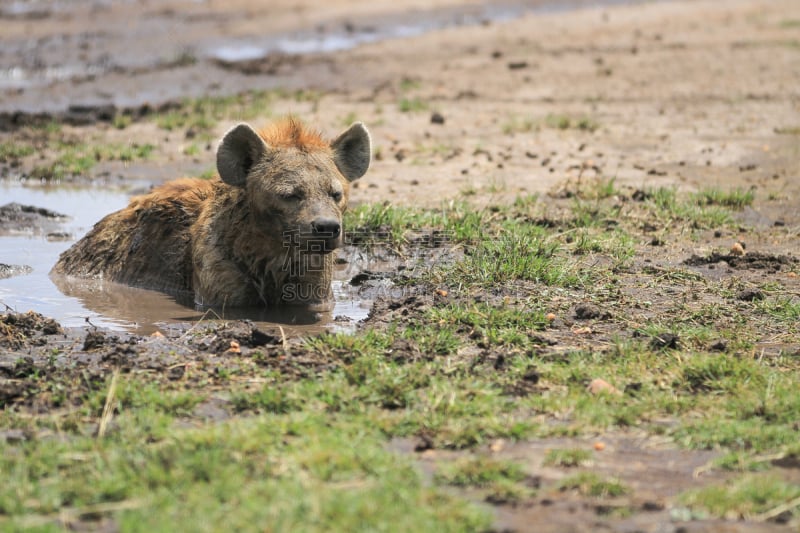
[[283, 341], [775, 511], [196, 324], [108, 410]]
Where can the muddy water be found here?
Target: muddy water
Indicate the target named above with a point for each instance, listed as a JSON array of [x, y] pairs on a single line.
[[76, 303]]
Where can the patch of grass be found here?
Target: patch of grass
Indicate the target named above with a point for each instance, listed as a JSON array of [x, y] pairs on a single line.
[[501, 480], [783, 308], [75, 159], [409, 84], [191, 149], [736, 198], [11, 150], [121, 121], [412, 105], [705, 210], [208, 174], [565, 122], [568, 458], [516, 255], [590, 484], [348, 119], [747, 497], [317, 475], [202, 114], [479, 471], [517, 124], [496, 326]]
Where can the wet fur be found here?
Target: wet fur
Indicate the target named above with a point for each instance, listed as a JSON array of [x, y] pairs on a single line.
[[224, 244]]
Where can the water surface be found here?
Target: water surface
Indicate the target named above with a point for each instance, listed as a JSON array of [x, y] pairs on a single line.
[[75, 303]]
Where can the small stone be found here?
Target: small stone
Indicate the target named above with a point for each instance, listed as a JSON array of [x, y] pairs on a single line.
[[234, 348], [598, 386], [497, 445], [586, 311], [665, 340], [437, 118], [749, 295], [737, 249], [94, 339], [718, 346]]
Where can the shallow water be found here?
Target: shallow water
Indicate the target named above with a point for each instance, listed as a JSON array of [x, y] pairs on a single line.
[[75, 303], [400, 26]]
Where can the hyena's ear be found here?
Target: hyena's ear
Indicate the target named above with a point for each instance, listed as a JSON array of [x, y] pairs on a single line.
[[352, 151], [239, 150]]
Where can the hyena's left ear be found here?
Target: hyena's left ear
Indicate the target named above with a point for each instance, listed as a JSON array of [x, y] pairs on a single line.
[[352, 151], [239, 150]]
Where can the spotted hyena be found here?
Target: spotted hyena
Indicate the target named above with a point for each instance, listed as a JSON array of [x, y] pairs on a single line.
[[260, 234]]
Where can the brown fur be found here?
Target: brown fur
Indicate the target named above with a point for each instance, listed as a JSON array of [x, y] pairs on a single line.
[[250, 238]]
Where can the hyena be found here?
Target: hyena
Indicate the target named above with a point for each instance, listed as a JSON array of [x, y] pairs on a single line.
[[259, 234]]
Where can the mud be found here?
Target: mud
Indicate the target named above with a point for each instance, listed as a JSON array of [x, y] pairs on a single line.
[[28, 219], [667, 101]]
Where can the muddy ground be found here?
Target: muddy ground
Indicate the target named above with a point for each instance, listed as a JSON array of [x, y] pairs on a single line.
[[693, 94]]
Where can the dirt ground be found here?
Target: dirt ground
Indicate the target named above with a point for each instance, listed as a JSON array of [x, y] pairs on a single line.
[[688, 93]]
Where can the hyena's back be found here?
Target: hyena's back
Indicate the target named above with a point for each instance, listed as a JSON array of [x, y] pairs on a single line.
[[147, 244]]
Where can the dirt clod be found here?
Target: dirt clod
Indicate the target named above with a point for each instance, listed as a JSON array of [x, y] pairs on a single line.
[[665, 340], [598, 385], [437, 118], [753, 260], [749, 295], [587, 311], [94, 339]]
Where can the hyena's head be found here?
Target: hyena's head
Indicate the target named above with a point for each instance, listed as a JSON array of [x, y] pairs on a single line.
[[296, 183]]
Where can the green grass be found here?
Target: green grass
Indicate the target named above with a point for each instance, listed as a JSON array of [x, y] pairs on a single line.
[[571, 457], [75, 159], [564, 122], [473, 356], [10, 151], [747, 497], [479, 472], [202, 114], [500, 481], [412, 105], [315, 473], [736, 198], [590, 484]]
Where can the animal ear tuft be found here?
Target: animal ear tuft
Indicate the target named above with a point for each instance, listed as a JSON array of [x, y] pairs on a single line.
[[352, 151], [239, 150]]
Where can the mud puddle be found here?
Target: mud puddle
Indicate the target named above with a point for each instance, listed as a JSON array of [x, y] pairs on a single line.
[[30, 249]]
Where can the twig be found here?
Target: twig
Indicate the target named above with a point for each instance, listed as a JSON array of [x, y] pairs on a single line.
[[108, 409], [205, 315], [283, 341], [775, 511]]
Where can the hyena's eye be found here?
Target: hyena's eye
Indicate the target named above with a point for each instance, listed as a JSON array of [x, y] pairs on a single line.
[[336, 195], [291, 196]]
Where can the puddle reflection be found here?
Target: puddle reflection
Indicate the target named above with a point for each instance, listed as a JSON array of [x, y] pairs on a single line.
[[74, 302]]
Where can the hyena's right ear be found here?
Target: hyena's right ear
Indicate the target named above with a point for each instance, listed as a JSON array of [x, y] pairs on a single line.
[[239, 150]]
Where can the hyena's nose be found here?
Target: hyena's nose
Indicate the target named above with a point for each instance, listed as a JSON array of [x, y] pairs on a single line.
[[326, 227]]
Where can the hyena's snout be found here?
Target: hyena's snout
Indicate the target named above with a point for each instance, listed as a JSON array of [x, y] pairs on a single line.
[[326, 233], [326, 228]]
